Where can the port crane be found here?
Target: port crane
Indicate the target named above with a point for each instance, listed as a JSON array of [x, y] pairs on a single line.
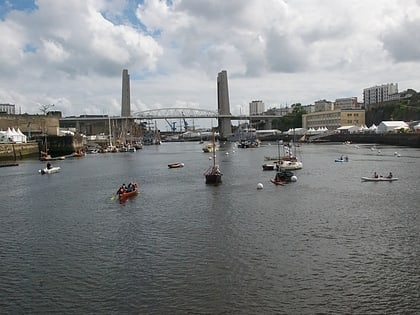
[[185, 122], [172, 125]]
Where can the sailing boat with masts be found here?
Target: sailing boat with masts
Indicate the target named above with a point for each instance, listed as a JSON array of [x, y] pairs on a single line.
[[213, 175]]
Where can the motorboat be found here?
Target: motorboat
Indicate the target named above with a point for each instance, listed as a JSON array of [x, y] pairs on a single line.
[[49, 170]]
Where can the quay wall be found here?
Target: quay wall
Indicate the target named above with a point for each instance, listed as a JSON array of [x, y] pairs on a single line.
[[18, 151], [56, 145], [60, 145], [398, 139]]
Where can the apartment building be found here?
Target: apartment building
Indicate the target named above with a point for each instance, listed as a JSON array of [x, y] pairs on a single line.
[[256, 108], [378, 94]]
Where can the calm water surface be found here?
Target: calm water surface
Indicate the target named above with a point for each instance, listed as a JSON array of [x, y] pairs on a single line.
[[328, 243]]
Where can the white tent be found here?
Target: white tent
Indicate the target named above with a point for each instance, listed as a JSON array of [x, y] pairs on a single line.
[[391, 126], [348, 129], [22, 136], [15, 136]]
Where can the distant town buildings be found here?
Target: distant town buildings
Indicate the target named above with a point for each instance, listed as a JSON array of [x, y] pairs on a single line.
[[346, 103], [323, 105], [8, 109], [379, 93]]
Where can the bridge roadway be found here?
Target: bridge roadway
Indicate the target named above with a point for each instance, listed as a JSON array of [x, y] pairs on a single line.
[[167, 113]]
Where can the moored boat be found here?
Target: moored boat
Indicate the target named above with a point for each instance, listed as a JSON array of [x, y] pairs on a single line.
[[209, 147], [291, 165], [175, 165], [213, 174], [283, 177]]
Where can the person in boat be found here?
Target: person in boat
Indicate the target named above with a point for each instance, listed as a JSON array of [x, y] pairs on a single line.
[[389, 175], [346, 158], [375, 175], [49, 166], [130, 187], [122, 189]]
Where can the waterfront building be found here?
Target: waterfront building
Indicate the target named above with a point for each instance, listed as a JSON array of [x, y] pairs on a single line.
[[379, 93], [8, 109], [334, 119]]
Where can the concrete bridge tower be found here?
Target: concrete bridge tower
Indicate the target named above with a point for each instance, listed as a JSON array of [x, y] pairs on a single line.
[[125, 101], [223, 107]]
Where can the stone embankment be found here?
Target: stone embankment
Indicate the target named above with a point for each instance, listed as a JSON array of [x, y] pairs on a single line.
[[18, 151]]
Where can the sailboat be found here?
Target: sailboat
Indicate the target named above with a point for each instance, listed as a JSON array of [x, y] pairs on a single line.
[[213, 175], [284, 175], [111, 147]]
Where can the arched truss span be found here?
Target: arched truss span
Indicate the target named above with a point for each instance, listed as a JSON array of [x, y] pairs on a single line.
[[175, 113]]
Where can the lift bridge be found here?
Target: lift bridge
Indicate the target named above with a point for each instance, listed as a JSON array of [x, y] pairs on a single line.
[[85, 123]]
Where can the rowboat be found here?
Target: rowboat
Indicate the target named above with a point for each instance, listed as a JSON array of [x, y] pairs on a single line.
[[122, 196], [379, 179]]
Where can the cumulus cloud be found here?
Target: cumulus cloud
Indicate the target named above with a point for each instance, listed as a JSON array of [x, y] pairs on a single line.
[[72, 53]]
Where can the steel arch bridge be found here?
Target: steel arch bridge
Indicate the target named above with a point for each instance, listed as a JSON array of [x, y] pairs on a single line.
[[181, 112]]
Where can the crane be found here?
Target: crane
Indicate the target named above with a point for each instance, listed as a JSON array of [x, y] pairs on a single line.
[[185, 122], [172, 125]]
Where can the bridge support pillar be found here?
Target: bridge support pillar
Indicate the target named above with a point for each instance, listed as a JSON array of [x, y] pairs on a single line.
[[225, 127]]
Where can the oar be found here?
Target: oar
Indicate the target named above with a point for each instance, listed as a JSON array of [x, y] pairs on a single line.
[[113, 197]]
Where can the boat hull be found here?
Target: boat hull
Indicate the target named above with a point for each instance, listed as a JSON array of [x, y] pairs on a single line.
[[277, 182], [379, 179], [128, 194], [213, 178]]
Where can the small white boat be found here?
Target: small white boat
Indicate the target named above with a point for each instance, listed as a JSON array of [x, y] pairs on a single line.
[[176, 165], [379, 179], [51, 170]]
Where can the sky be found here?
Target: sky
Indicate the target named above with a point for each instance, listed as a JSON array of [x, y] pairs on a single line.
[[72, 53]]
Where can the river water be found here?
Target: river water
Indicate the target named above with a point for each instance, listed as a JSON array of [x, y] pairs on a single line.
[[326, 244]]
